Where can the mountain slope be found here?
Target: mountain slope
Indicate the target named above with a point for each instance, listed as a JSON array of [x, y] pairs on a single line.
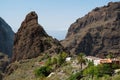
[[31, 40], [97, 33], [6, 38], [4, 61]]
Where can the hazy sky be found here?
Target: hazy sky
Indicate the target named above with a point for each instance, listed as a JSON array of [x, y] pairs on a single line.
[[53, 14]]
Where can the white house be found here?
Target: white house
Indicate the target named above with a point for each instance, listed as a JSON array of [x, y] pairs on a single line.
[[68, 59], [95, 60]]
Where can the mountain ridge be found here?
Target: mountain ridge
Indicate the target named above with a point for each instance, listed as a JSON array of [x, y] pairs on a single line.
[[6, 38], [97, 33]]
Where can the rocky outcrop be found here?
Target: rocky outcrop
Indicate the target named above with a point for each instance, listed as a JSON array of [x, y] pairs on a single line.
[[97, 33], [31, 40], [4, 61], [6, 38]]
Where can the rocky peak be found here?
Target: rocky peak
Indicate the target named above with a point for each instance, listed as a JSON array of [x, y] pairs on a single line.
[[31, 16], [31, 40], [97, 32], [31, 19]]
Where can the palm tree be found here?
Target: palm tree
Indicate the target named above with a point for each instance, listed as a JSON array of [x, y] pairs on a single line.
[[81, 59]]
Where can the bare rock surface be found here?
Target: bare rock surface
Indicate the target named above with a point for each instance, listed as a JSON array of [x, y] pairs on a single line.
[[97, 33], [31, 40]]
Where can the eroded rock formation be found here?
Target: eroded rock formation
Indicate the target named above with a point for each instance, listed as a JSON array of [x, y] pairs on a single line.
[[31, 40]]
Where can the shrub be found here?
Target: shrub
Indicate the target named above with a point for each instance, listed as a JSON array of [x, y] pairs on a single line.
[[76, 76], [44, 71], [64, 55], [116, 77], [60, 60], [54, 60], [115, 66], [48, 62], [105, 69]]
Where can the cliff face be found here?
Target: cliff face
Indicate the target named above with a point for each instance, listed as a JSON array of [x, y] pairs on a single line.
[[97, 33], [6, 38], [31, 40]]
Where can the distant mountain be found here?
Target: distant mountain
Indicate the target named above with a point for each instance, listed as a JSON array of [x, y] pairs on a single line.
[[6, 38], [58, 34], [97, 33], [31, 40]]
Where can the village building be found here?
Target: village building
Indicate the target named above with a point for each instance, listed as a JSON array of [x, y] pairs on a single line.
[[68, 59], [97, 61], [116, 61], [103, 61]]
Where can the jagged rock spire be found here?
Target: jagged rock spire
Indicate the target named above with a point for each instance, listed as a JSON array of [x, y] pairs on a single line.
[[31, 40]]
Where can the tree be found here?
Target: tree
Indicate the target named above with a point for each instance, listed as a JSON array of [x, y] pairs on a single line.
[[90, 71], [81, 59], [61, 58], [105, 69], [98, 71]]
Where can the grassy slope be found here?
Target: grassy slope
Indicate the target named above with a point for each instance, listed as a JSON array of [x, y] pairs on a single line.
[[25, 70]]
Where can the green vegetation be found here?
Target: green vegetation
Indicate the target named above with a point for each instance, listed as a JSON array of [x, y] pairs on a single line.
[[61, 59], [81, 59], [57, 60], [54, 60], [75, 76], [110, 55], [39, 68], [43, 71], [90, 63], [116, 77], [44, 56], [50, 65], [48, 62], [98, 71]]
